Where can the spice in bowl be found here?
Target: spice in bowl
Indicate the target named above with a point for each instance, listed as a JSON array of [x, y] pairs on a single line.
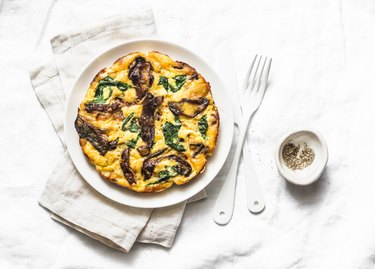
[[301, 156], [296, 156]]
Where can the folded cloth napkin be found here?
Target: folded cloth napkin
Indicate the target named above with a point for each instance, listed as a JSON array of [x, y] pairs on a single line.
[[66, 195]]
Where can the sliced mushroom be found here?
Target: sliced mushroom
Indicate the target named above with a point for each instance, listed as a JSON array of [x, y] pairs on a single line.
[[144, 150], [157, 115], [140, 73], [147, 163], [156, 154], [105, 111], [94, 135], [197, 147], [194, 76], [110, 108], [147, 122], [188, 69], [180, 65], [124, 164], [195, 106], [184, 168]]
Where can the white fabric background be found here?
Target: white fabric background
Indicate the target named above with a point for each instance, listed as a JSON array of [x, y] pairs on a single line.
[[322, 77]]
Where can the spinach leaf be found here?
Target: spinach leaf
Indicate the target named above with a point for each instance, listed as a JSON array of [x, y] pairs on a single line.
[[177, 120], [179, 82], [134, 128], [203, 126], [100, 96], [122, 86], [128, 118], [170, 132], [169, 172], [164, 81], [108, 81], [132, 143]]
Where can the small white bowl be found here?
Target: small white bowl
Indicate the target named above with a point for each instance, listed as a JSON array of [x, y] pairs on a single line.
[[311, 173]]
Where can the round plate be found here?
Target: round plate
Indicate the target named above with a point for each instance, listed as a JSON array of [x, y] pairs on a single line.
[[175, 194]]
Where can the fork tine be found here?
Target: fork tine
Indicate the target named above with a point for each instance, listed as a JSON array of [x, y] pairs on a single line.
[[263, 81], [268, 69], [258, 77], [247, 77], [253, 77]]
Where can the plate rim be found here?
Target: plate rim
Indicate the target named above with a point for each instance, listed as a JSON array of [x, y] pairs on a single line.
[[113, 48]]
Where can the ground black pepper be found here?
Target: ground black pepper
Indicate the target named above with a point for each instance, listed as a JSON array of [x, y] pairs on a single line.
[[296, 157]]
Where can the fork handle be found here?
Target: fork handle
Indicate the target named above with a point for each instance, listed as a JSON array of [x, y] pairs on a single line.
[[254, 196], [224, 205]]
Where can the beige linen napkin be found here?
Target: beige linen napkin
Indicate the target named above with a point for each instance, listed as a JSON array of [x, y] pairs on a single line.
[[66, 195]]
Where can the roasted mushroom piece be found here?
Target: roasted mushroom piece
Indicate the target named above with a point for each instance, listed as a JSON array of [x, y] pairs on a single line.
[[143, 150], [147, 122], [94, 135], [198, 148], [194, 76], [110, 108], [107, 110], [124, 164], [148, 162], [183, 167], [140, 73], [188, 107]]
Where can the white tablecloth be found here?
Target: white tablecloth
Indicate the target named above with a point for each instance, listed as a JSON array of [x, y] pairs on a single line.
[[322, 77]]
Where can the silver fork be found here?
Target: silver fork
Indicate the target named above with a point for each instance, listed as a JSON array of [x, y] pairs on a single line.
[[251, 98]]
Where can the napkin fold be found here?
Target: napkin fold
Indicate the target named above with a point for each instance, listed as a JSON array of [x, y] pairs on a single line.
[[69, 198]]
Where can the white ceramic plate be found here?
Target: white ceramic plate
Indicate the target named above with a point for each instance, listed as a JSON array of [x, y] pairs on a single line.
[[175, 194]]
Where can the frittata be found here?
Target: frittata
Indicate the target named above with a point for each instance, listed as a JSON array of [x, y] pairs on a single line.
[[148, 122]]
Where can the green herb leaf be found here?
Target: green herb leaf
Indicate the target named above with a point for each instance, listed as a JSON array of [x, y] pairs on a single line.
[[169, 172], [100, 96], [108, 81], [177, 120], [164, 81], [177, 147], [179, 82], [122, 86], [134, 128], [170, 132], [203, 126], [163, 175], [132, 143], [128, 118], [173, 171]]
